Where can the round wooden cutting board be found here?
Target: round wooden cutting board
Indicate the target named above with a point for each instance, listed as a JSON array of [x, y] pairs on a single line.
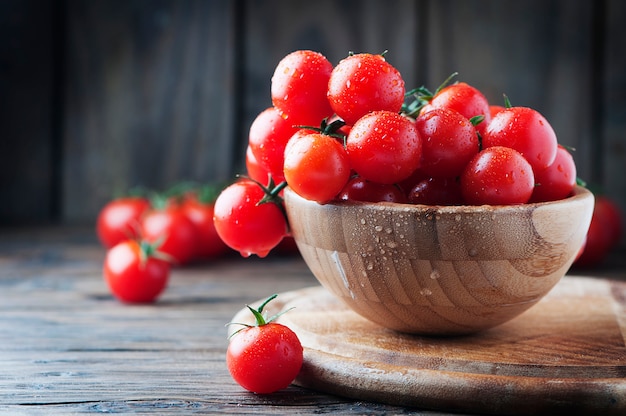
[[565, 355]]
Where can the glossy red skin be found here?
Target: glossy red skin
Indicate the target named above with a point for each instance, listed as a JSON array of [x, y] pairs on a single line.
[[254, 169], [605, 232], [497, 176], [264, 359], [359, 189], [465, 99], [268, 136], [525, 130], [120, 220], [209, 245], [176, 231], [436, 191], [362, 83], [607, 208], [316, 167], [384, 147], [557, 181], [245, 225], [131, 281], [299, 86], [449, 141]]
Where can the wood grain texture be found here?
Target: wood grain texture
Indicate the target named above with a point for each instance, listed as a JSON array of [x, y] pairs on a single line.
[[439, 270], [67, 347], [565, 356], [156, 92], [150, 98]]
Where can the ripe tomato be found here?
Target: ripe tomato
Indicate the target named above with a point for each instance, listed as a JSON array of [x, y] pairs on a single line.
[[607, 208], [299, 87], [363, 83], [120, 219], [605, 232], [525, 130], [384, 147], [245, 224], [198, 207], [268, 136], [557, 181], [436, 191], [316, 166], [449, 141], [175, 232], [266, 357], [497, 176], [360, 189], [254, 169], [134, 272], [464, 99]]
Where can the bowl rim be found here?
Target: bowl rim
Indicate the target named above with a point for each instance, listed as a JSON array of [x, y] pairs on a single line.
[[579, 193]]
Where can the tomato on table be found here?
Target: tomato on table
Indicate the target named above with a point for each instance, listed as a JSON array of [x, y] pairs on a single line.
[[198, 206], [264, 357], [175, 233], [120, 220], [605, 232], [135, 271]]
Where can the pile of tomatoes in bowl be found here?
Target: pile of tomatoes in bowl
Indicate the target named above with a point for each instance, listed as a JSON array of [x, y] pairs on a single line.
[[353, 132]]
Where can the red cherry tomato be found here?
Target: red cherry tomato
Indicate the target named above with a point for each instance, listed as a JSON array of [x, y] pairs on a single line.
[[359, 189], [299, 87], [436, 191], [462, 98], [449, 141], [134, 273], [316, 167], [526, 131], [120, 220], [384, 147], [268, 136], [497, 176], [254, 169], [245, 224], [557, 181], [266, 357], [174, 231], [363, 83], [605, 232], [200, 211]]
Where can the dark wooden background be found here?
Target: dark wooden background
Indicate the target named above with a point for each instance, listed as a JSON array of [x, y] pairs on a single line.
[[97, 96]]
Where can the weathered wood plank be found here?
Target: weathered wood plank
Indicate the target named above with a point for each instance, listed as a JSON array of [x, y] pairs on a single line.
[[68, 347], [149, 98]]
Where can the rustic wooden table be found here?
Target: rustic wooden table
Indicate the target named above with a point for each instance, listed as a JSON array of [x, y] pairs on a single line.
[[68, 347]]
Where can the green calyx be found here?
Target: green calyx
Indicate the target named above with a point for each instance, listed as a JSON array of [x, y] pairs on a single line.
[[417, 98], [149, 250], [259, 316]]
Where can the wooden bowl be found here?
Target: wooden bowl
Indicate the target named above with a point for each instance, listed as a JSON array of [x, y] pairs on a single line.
[[439, 270]]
